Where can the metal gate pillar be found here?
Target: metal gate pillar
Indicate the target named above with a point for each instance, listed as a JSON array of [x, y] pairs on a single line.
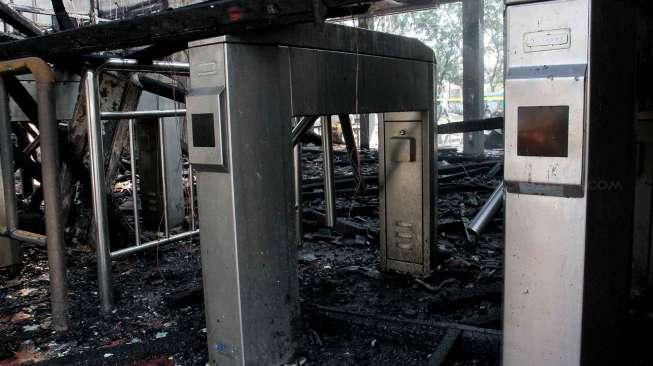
[[569, 176]]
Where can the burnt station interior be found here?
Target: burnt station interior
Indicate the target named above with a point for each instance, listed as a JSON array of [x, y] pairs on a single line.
[[326, 182]]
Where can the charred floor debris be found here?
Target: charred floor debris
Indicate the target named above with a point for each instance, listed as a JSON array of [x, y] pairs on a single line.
[[326, 182], [351, 312]]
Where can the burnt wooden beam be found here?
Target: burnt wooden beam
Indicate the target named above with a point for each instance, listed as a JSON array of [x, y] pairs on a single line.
[[389, 7], [9, 37], [157, 51], [207, 19], [352, 151], [18, 21], [62, 15], [22, 97], [23, 141], [22, 161], [495, 123], [163, 89], [446, 344]]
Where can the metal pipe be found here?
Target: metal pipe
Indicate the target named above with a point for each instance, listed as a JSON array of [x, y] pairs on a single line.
[[191, 180], [485, 214], [164, 185], [329, 184], [45, 82], [132, 160], [143, 114], [10, 250], [364, 131], [28, 237], [158, 66], [98, 191], [7, 161], [151, 244], [304, 124], [297, 157], [54, 224]]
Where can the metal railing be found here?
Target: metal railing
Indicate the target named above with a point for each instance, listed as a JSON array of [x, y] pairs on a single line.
[[304, 124], [94, 120]]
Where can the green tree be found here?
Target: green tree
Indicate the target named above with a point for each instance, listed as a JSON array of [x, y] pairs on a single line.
[[439, 28], [494, 54]]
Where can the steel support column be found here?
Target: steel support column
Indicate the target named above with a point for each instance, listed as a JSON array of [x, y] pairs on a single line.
[[473, 73], [98, 191], [10, 252], [298, 178], [329, 184], [364, 119], [54, 227]]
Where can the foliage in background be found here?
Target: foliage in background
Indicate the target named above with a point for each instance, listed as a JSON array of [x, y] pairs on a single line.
[[441, 28], [493, 31]]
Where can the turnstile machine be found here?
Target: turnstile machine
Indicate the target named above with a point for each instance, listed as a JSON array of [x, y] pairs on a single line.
[[245, 89], [569, 172]]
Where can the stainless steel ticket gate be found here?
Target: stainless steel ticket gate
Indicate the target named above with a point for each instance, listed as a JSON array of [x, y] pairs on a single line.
[[245, 89], [569, 174]]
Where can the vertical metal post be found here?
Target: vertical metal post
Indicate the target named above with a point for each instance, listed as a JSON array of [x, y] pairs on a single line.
[[191, 183], [132, 161], [7, 156], [329, 184], [54, 224], [473, 73], [364, 119], [297, 177], [10, 250], [364, 131], [98, 191], [164, 184]]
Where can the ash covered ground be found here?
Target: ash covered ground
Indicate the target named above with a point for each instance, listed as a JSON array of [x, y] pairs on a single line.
[[352, 314]]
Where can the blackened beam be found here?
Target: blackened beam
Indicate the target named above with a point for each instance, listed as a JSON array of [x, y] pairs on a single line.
[[156, 51], [162, 89], [389, 7], [446, 344], [207, 19], [22, 97], [62, 16], [18, 21], [495, 123], [471, 341], [8, 37], [300, 129], [352, 151]]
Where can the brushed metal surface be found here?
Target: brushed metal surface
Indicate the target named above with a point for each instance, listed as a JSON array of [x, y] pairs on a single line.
[[545, 235], [406, 191], [525, 20], [207, 84], [403, 194], [543, 293], [565, 91]]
